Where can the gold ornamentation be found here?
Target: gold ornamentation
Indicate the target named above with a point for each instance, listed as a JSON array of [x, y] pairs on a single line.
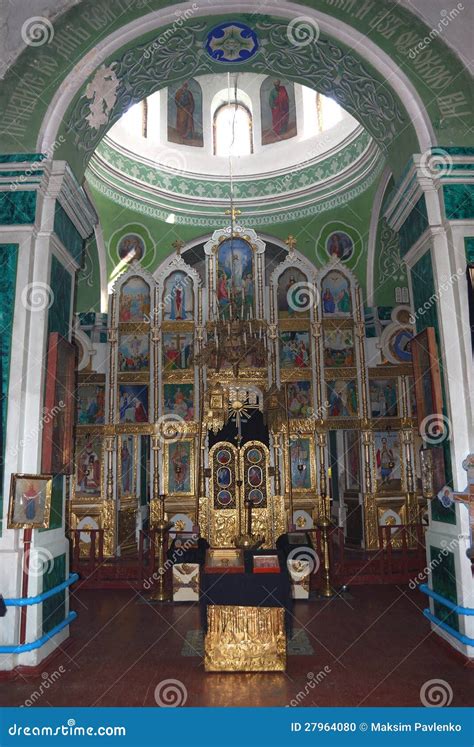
[[245, 639]]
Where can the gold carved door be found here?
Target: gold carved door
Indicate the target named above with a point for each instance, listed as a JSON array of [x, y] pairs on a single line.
[[240, 476]]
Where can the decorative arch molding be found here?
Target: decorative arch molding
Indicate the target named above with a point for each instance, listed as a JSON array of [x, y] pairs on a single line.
[[334, 64]]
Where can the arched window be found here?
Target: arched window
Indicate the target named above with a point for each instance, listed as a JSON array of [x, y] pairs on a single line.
[[233, 130], [135, 119]]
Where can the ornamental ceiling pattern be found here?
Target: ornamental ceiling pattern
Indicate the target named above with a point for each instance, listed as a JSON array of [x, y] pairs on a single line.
[[182, 184], [140, 71]]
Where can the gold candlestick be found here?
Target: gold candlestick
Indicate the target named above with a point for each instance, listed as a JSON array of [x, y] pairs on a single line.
[[324, 524], [162, 592]]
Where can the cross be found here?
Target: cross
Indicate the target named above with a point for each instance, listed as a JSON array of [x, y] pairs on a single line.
[[233, 212], [291, 243], [178, 245]]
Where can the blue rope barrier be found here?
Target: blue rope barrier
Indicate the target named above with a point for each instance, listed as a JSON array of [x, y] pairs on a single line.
[[24, 647], [26, 601], [446, 602], [459, 636]]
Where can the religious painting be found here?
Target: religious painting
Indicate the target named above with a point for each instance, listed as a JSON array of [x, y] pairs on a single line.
[[342, 398], [352, 460], [91, 404], [134, 303], [299, 399], [88, 460], [387, 461], [300, 456], [293, 294], [30, 501], [278, 111], [127, 459], [336, 295], [133, 403], [134, 352], [58, 413], [178, 297], [131, 248], [235, 286], [429, 399], [339, 348], [383, 394], [339, 244], [177, 351], [179, 400], [185, 113], [294, 350], [179, 468]]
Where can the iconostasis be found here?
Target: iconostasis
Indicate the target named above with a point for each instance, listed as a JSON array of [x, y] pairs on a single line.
[[344, 429]]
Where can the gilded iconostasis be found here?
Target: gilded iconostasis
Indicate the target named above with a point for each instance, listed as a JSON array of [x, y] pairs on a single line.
[[208, 340]]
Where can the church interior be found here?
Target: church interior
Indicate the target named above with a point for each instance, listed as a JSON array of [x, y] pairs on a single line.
[[237, 317]]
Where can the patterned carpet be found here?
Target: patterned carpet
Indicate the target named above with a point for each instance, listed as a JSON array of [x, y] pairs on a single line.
[[298, 645]]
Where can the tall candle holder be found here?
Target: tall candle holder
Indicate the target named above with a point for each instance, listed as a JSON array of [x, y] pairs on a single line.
[[162, 592], [325, 524]]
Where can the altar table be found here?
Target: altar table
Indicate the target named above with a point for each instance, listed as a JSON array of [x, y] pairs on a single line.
[[246, 617]]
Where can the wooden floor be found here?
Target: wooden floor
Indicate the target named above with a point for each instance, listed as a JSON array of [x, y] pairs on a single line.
[[376, 646]]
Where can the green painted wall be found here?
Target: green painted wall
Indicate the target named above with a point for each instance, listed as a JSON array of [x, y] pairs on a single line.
[[443, 581], [54, 608], [87, 297], [158, 236]]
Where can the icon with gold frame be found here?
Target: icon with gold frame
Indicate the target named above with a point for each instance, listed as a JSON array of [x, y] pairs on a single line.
[[30, 501]]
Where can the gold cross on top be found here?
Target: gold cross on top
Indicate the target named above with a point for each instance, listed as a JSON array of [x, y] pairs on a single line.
[[178, 245], [233, 212]]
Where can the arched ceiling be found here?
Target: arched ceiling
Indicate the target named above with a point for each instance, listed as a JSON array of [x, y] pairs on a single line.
[[360, 53]]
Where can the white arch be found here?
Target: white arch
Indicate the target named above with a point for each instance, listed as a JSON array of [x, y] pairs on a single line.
[[339, 30]]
